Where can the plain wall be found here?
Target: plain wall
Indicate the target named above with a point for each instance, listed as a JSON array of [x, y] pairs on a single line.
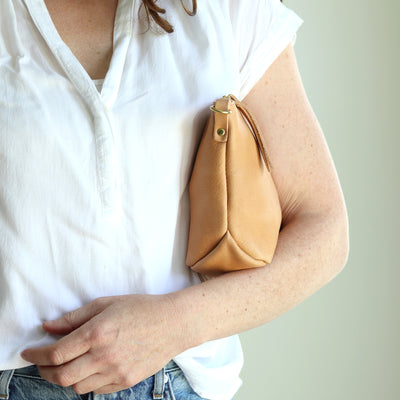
[[343, 342]]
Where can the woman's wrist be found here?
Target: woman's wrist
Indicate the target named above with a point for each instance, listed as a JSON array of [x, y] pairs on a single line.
[[187, 315]]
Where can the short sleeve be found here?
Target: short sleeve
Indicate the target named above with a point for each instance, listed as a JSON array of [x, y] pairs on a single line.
[[262, 30]]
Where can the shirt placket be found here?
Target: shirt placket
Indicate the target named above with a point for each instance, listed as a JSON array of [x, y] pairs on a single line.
[[99, 104]]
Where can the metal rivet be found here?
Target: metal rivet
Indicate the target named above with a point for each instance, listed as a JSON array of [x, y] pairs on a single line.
[[221, 132]]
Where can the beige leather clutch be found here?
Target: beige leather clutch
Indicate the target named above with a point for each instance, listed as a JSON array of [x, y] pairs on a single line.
[[235, 215]]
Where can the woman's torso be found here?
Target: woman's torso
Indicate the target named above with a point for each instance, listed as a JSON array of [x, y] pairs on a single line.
[[94, 198]]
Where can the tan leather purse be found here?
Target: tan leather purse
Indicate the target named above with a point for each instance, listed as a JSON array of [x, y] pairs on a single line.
[[235, 215]]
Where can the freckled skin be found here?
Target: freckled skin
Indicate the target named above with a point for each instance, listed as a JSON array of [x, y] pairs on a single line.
[[86, 26]]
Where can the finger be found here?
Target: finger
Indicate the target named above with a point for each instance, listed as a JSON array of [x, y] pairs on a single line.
[[107, 381], [121, 381], [64, 350], [92, 384], [74, 319], [72, 372], [109, 389]]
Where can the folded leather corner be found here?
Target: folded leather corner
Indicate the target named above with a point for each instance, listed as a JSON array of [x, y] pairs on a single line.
[[227, 253]]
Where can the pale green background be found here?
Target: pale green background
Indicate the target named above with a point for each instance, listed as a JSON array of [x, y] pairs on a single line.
[[343, 342]]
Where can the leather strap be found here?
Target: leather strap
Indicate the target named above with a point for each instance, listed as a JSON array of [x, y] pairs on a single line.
[[255, 128], [221, 120], [223, 105]]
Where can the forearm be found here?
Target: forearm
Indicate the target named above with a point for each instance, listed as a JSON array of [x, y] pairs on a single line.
[[310, 252]]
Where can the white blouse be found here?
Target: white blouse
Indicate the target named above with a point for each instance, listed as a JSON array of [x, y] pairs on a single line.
[[93, 193]]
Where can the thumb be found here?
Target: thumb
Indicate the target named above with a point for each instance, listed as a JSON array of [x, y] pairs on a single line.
[[72, 320]]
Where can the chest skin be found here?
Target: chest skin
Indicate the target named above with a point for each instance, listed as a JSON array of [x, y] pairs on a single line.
[[86, 27]]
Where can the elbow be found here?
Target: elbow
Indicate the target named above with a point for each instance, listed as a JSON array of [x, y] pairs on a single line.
[[343, 251], [345, 246], [340, 242]]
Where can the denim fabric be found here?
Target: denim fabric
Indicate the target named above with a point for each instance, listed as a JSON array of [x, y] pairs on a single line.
[[26, 384]]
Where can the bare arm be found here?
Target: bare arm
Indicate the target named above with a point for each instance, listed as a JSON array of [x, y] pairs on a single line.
[[115, 342], [313, 244]]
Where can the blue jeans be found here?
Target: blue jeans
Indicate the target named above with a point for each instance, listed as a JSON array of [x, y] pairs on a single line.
[[26, 384]]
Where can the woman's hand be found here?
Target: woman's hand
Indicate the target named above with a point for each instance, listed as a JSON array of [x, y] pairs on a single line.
[[110, 344]]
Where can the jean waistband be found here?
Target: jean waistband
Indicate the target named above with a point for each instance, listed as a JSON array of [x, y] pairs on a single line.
[[6, 376]]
